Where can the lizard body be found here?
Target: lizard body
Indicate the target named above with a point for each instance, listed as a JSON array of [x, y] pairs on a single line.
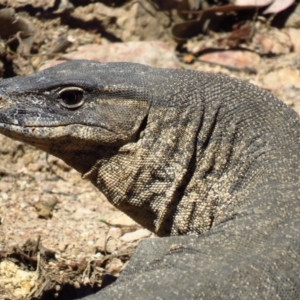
[[209, 160]]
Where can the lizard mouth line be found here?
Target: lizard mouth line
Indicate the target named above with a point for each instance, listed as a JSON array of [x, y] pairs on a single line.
[[8, 126]]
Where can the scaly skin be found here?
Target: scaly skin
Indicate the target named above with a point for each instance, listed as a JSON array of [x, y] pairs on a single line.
[[211, 161]]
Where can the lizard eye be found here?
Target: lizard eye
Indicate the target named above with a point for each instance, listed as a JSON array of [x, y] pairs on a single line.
[[71, 97]]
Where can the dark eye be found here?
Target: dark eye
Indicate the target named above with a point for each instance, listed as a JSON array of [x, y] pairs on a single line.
[[71, 97]]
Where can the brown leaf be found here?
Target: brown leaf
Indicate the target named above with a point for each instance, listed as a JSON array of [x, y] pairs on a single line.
[[278, 6], [256, 3]]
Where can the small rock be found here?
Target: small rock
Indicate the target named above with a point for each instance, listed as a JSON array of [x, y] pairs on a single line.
[[233, 58], [4, 187], [135, 235], [189, 58], [114, 267], [153, 53], [98, 256], [111, 245], [44, 208], [57, 287], [115, 232], [62, 247], [86, 281], [120, 219], [294, 37], [90, 243], [272, 41], [34, 167], [101, 243], [281, 79], [4, 196], [106, 244]]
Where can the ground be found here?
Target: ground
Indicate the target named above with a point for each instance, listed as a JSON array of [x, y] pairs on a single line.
[[59, 236]]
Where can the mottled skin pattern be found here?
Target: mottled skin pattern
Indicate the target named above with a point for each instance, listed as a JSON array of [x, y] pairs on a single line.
[[211, 161]]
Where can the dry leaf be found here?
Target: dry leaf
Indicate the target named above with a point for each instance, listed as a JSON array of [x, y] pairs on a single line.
[[278, 6], [253, 2]]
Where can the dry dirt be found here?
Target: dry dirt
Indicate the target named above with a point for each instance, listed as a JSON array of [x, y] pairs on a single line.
[[59, 237]]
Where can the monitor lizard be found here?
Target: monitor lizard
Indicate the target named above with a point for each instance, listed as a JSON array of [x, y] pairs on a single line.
[[209, 163]]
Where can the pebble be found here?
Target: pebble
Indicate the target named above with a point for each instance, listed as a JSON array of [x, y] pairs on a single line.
[[4, 196], [115, 232], [62, 247], [114, 267], [100, 243], [135, 235], [111, 245]]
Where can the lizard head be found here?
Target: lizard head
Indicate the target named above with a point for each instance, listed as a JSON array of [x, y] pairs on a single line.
[[74, 109], [119, 124]]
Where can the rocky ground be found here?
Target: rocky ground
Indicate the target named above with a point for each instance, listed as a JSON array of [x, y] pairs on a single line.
[[59, 237]]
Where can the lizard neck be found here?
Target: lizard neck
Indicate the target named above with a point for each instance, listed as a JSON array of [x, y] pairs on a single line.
[[146, 179], [184, 179]]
